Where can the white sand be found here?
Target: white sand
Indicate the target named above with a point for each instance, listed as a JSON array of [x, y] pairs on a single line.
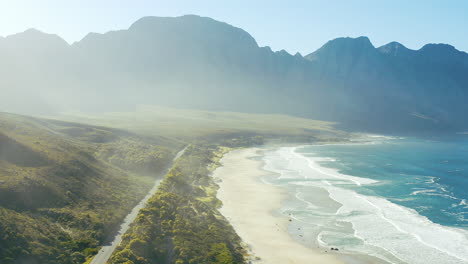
[[248, 204]]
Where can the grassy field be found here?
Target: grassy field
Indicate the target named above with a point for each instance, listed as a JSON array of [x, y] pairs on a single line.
[[185, 124]]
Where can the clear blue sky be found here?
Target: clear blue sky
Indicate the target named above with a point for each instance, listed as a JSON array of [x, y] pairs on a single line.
[[294, 25]]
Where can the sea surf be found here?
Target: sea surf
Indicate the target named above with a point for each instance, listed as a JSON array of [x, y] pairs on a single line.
[[399, 199]]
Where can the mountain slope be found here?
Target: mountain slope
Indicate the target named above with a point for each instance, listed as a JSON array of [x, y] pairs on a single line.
[[197, 62], [397, 84], [64, 187]]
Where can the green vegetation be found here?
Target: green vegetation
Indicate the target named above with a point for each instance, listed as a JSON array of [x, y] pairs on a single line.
[[65, 187], [184, 124], [181, 223], [135, 156]]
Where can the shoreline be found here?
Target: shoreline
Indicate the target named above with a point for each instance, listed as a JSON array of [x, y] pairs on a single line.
[[252, 207]]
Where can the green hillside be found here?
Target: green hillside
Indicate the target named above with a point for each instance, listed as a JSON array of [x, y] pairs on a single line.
[[65, 187]]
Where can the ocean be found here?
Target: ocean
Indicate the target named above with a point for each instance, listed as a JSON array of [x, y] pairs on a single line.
[[403, 200]]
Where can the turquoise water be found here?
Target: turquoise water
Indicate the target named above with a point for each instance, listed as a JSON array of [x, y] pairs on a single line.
[[402, 200]]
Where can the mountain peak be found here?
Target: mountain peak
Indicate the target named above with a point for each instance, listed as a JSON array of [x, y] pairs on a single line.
[[443, 52], [32, 36], [438, 47], [283, 52], [361, 41], [394, 49], [195, 27], [344, 46], [33, 31], [151, 20]]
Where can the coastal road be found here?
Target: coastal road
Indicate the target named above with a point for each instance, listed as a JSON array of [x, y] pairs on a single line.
[[106, 251]]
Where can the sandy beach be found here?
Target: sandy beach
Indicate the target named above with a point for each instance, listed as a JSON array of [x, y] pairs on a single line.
[[249, 205]]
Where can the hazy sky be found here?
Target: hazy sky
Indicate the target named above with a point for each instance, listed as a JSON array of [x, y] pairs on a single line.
[[302, 25]]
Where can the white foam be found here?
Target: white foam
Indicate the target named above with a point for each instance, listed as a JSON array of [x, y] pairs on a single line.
[[401, 231], [381, 136], [463, 203], [398, 230], [309, 204], [313, 170], [320, 240], [434, 192], [375, 138], [431, 179], [423, 192]]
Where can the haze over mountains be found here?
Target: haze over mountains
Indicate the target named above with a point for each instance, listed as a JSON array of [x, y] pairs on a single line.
[[197, 62]]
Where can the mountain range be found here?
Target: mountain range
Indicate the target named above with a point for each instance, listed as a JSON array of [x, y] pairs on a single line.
[[197, 62]]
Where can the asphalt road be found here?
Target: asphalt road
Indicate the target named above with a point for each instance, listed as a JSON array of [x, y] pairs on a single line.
[[106, 251]]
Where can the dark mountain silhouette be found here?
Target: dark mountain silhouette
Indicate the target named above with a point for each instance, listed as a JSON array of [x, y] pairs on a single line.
[[197, 62]]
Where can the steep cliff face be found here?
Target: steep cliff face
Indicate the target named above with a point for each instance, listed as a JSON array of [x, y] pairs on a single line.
[[198, 62]]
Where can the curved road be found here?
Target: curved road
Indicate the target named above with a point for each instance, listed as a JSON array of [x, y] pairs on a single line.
[[106, 251]]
